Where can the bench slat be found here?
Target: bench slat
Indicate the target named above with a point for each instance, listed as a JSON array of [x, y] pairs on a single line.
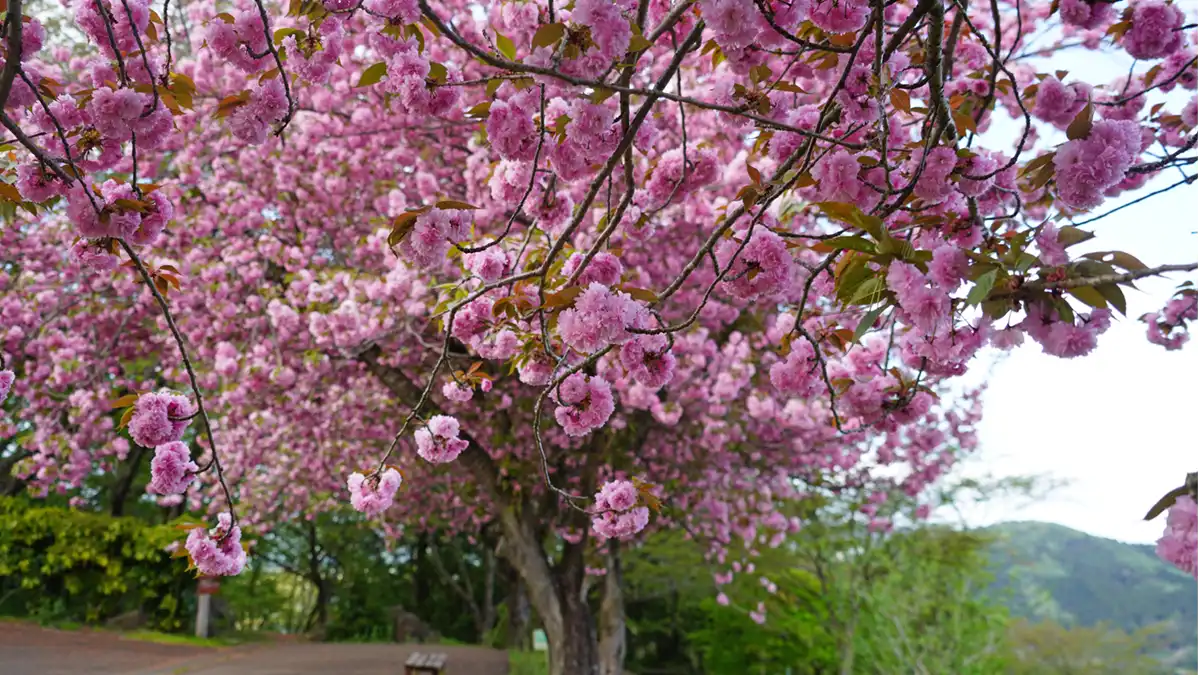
[[422, 660]]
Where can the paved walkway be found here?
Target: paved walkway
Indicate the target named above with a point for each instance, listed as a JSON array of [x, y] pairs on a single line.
[[30, 650]]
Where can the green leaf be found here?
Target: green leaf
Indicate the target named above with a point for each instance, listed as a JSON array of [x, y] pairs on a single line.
[[869, 292], [564, 298], [437, 72], [282, 33], [1065, 313], [868, 321], [374, 73], [1121, 259], [638, 42], [1114, 295], [124, 401], [456, 205], [983, 287], [850, 214], [1069, 236], [1081, 126], [1166, 502], [548, 34], [1090, 296], [1037, 163], [506, 47], [851, 277], [855, 243]]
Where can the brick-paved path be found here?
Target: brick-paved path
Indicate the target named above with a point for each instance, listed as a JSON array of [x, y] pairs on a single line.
[[31, 650]]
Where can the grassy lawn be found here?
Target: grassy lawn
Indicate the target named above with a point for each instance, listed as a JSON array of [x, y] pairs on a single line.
[[527, 663], [191, 640]]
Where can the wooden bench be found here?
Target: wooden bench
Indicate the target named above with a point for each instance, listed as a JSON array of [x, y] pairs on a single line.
[[424, 664]]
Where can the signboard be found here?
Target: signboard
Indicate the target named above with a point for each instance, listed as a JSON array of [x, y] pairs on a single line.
[[208, 586], [539, 641]]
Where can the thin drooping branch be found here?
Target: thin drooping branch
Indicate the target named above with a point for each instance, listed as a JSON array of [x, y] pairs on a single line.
[[191, 373], [1098, 280]]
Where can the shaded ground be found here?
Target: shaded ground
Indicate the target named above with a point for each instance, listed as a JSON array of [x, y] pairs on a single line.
[[31, 650]]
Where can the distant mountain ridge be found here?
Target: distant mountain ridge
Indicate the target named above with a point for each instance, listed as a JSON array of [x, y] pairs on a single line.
[[1048, 571]]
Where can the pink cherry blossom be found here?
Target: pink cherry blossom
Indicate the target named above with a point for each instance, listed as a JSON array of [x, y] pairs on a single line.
[[373, 496], [438, 441], [217, 552], [160, 418], [172, 469]]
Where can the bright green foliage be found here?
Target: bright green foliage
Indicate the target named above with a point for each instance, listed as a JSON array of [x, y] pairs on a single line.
[[1048, 648], [65, 565], [928, 611]]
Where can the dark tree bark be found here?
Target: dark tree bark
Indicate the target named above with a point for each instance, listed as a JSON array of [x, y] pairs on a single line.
[[612, 616], [10, 485], [556, 593], [519, 618], [125, 477], [320, 614]]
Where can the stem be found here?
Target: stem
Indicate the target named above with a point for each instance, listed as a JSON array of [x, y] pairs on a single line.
[[187, 364]]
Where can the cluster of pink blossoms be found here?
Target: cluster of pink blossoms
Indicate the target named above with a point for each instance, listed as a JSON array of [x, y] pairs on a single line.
[[510, 127], [373, 496], [1058, 103], [738, 24], [598, 318], [617, 515], [160, 418], [217, 552], [313, 58], [268, 104], [408, 74], [1178, 543], [586, 403], [432, 234], [461, 393], [1062, 338], [109, 212], [610, 28], [1155, 30], [7, 377], [1086, 15], [673, 178], [926, 306], [1087, 167], [1169, 328], [649, 360], [799, 374], [762, 269], [438, 441], [172, 469]]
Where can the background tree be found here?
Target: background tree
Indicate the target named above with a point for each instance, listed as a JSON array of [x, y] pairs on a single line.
[[730, 246]]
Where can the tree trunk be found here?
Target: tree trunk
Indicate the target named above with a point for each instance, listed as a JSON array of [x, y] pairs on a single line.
[[488, 619], [554, 592], [420, 580], [10, 485], [612, 616], [320, 617], [517, 604], [125, 480]]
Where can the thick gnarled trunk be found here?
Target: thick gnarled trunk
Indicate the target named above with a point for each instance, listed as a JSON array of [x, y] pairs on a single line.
[[612, 616], [556, 592]]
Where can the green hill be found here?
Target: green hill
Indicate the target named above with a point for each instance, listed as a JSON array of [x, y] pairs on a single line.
[[1047, 571]]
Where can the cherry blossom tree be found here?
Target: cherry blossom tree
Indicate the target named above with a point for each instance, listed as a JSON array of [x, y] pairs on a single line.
[[574, 271]]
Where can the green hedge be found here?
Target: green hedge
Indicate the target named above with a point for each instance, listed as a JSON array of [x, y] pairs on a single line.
[[63, 565]]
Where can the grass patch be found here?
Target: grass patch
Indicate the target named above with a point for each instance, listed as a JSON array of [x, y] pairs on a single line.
[[190, 640], [528, 663]]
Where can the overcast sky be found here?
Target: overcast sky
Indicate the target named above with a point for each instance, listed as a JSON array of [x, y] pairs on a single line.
[[1119, 425]]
